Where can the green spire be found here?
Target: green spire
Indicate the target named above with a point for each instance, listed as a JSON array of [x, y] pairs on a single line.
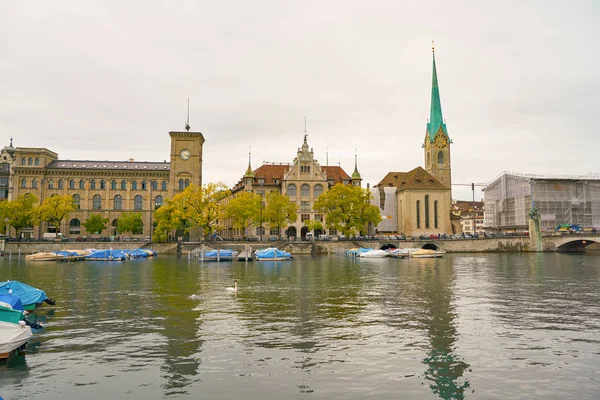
[[436, 120], [355, 174], [249, 173]]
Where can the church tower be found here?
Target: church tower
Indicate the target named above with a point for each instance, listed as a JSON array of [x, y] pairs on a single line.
[[186, 159], [437, 142]]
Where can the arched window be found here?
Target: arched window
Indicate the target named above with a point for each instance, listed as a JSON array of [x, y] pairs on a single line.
[[427, 211], [418, 214], [75, 226], [37, 161], [118, 202], [102, 184], [137, 202], [76, 201], [305, 190], [97, 202], [154, 185], [123, 185], [435, 214], [93, 184], [50, 184], [34, 183], [61, 184], [181, 187], [71, 184], [30, 161], [133, 185], [114, 225], [318, 190], [164, 185], [440, 157], [143, 185], [291, 190], [113, 184], [187, 182], [82, 184], [23, 161], [158, 201], [23, 183]]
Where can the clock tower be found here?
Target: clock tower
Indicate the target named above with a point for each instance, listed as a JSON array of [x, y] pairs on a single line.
[[186, 160], [437, 142]]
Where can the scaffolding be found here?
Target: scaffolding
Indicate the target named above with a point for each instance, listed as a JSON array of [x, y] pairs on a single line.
[[558, 200]]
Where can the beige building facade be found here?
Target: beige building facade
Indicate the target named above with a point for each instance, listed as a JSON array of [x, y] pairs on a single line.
[[108, 188]]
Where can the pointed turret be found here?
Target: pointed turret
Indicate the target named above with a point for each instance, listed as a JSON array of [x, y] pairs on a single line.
[[436, 120], [249, 173], [356, 178]]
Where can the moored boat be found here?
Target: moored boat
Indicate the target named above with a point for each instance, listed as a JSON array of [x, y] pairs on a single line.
[[106, 255], [272, 254], [13, 336], [427, 253], [219, 255], [373, 254], [30, 296]]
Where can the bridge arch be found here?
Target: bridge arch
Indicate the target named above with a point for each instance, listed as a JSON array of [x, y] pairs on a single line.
[[576, 245]]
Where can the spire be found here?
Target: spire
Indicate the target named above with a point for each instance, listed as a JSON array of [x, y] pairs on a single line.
[[355, 174], [436, 120], [187, 121], [249, 173]]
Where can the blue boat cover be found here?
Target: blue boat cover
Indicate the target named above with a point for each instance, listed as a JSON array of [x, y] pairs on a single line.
[[106, 255], [27, 294], [136, 253], [271, 252], [226, 253], [12, 300], [66, 253]]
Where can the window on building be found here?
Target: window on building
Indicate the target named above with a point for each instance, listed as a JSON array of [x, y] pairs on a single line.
[[30, 161], [274, 231], [330, 182], [118, 202], [123, 185], [23, 183], [37, 161], [440, 157], [102, 184], [158, 202], [291, 190], [305, 190], [427, 211], [75, 226], [187, 182], [82, 184], [23, 161], [154, 185], [97, 202], [261, 181], [113, 184], [305, 206], [71, 184], [34, 183], [261, 193], [137, 202], [418, 214], [61, 184], [260, 230], [435, 214], [133, 185], [50, 184], [181, 183], [333, 231], [143, 185], [93, 184], [319, 217], [164, 185], [76, 201], [304, 217], [318, 190]]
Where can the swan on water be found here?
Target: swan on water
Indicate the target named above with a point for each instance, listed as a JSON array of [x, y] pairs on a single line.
[[234, 288]]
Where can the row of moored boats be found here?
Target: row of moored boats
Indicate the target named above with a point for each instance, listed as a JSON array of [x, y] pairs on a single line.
[[269, 254], [91, 255], [17, 321]]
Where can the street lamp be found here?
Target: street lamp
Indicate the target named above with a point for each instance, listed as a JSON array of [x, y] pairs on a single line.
[[7, 227]]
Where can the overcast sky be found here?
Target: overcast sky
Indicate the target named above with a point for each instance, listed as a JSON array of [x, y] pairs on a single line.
[[107, 80]]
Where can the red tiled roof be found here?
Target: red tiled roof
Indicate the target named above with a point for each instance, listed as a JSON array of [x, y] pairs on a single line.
[[269, 172], [416, 179], [336, 173]]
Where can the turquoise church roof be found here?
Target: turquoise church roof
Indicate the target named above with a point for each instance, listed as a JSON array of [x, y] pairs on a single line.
[[436, 120]]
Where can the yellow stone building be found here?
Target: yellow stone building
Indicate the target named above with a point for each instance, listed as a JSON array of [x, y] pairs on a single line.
[[303, 181], [108, 188], [419, 202]]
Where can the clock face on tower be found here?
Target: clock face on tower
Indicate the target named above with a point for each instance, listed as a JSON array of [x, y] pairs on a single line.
[[441, 141], [184, 154]]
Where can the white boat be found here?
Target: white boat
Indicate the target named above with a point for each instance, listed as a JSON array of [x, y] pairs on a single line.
[[426, 253], [12, 337], [374, 254]]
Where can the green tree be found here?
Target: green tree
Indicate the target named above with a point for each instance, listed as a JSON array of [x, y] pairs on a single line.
[[243, 210], [18, 213], [201, 206], [95, 223], [167, 219], [314, 225], [347, 208], [130, 222], [53, 210], [279, 211]]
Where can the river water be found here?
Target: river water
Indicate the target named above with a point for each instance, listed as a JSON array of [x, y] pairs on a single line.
[[492, 326]]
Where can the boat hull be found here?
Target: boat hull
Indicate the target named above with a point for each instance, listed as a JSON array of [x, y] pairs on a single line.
[[12, 337]]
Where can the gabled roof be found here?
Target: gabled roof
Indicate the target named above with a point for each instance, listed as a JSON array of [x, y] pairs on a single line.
[[269, 172], [416, 179], [336, 173]]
